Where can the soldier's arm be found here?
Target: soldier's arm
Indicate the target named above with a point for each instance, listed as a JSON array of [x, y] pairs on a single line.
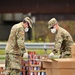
[[58, 42], [21, 40]]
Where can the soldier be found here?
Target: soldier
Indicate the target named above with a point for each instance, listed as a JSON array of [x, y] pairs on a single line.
[[63, 40], [15, 48]]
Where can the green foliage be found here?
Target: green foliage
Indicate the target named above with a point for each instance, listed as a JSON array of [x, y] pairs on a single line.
[[2, 58], [2, 52], [43, 34]]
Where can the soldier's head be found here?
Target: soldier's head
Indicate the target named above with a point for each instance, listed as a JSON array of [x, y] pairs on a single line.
[[52, 25], [52, 22], [27, 23]]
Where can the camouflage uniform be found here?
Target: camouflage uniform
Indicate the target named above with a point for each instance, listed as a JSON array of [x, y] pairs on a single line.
[[63, 40], [15, 48]]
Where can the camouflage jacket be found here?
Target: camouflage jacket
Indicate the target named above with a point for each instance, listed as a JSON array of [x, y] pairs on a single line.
[[15, 44], [63, 39]]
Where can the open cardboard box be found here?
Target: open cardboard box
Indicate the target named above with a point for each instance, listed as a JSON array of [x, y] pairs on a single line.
[[63, 71], [64, 66], [73, 50], [59, 63], [64, 63], [47, 64]]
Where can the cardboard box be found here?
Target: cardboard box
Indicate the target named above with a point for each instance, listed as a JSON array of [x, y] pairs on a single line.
[[59, 63], [73, 55], [64, 66], [47, 63], [37, 70], [64, 63], [73, 49], [48, 71], [63, 71]]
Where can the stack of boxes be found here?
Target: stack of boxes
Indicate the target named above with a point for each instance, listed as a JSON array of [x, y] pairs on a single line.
[[23, 69], [32, 65]]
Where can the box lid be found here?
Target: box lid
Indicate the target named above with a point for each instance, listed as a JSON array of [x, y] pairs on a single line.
[[64, 63], [47, 63]]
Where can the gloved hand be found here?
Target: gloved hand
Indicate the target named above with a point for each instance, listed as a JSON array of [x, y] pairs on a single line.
[[51, 55], [25, 55]]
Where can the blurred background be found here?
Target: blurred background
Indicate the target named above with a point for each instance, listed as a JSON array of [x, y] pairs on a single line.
[[41, 11]]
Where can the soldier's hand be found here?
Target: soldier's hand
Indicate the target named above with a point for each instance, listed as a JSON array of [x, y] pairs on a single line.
[[25, 55], [51, 55]]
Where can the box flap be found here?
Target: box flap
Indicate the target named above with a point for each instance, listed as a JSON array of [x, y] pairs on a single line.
[[64, 63], [47, 63]]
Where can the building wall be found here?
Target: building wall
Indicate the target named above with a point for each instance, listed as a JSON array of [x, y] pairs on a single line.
[[37, 6], [43, 10]]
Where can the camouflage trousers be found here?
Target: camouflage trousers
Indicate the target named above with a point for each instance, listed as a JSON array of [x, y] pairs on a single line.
[[12, 72], [12, 64]]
